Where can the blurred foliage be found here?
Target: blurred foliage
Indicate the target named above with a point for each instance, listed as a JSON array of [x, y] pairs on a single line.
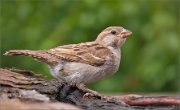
[[149, 58]]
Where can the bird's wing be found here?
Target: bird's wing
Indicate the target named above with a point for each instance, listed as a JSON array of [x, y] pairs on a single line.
[[90, 53]]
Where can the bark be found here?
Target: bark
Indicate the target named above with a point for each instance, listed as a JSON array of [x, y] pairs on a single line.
[[21, 89]]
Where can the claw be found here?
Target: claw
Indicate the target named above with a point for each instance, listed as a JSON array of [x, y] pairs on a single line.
[[89, 95]]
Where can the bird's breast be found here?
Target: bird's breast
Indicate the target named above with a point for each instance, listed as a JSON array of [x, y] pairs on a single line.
[[115, 57]]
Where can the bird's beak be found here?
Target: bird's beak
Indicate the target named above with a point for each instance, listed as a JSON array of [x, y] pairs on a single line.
[[125, 33]]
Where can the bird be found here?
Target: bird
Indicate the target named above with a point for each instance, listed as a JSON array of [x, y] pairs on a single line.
[[83, 63]]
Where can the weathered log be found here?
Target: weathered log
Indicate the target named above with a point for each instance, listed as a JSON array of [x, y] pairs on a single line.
[[22, 88]]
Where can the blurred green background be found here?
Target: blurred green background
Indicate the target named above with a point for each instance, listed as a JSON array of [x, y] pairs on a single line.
[[150, 57]]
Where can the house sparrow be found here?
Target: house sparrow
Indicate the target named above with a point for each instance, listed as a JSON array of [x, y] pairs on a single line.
[[84, 62]]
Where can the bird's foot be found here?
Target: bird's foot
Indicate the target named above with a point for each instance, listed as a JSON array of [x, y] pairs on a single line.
[[92, 94], [89, 93]]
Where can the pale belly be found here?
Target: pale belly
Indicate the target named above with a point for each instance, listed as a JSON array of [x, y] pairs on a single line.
[[76, 73], [83, 73]]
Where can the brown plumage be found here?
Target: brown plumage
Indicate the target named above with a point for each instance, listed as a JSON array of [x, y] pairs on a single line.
[[84, 62], [38, 55], [90, 53]]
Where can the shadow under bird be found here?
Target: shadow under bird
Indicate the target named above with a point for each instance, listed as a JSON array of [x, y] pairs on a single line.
[[83, 63]]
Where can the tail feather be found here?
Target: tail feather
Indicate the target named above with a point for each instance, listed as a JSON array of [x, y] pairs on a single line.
[[20, 53], [39, 55]]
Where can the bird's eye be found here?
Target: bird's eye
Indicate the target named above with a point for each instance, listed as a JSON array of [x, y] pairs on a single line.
[[113, 32]]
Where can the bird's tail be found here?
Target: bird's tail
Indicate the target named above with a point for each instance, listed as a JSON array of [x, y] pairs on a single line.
[[21, 53], [43, 56]]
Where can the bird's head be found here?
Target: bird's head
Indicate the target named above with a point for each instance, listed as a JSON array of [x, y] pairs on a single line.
[[114, 36]]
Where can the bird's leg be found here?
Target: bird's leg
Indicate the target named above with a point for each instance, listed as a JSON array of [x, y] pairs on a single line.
[[89, 92]]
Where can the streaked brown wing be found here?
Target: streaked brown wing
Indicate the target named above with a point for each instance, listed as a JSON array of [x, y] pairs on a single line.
[[90, 53]]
